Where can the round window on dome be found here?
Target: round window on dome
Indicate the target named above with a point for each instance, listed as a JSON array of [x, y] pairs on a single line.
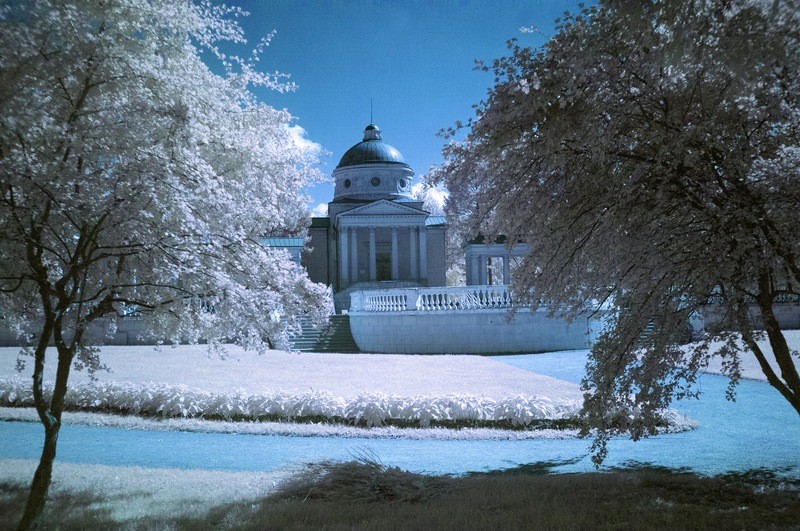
[[375, 181], [403, 183], [347, 183]]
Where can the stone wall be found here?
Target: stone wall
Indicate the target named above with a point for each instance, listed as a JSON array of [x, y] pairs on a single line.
[[787, 314], [129, 332], [483, 331], [437, 266]]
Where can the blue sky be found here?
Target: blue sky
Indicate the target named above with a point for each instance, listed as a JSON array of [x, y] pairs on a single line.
[[414, 58]]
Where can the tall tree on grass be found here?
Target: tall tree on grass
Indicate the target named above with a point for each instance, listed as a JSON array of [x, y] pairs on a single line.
[[650, 154], [133, 177]]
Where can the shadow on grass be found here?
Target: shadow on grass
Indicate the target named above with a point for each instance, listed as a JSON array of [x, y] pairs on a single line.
[[364, 494], [538, 468], [63, 510]]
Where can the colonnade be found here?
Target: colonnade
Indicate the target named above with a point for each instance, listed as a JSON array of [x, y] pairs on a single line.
[[479, 271], [479, 255], [348, 253]]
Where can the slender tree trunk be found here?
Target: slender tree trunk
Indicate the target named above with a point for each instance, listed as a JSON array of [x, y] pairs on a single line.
[[51, 418], [41, 479]]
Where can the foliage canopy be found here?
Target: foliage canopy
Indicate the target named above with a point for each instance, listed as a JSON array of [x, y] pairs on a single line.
[[650, 154], [133, 177]]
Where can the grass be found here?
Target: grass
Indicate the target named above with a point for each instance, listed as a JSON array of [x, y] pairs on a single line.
[[63, 510], [364, 494]]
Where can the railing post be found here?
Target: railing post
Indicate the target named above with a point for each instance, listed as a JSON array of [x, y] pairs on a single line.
[[411, 300], [356, 301]]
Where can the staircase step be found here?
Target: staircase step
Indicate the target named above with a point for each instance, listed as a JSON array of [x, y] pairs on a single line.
[[333, 337]]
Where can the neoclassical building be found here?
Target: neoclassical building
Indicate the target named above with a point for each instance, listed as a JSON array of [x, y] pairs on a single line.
[[376, 235]]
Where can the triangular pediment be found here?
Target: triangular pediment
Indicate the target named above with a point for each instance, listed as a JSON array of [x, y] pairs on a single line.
[[384, 207]]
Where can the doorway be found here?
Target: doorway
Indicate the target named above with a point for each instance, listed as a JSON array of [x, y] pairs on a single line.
[[383, 265]]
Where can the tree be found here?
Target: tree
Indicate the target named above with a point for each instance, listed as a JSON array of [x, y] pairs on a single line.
[[650, 154], [133, 178]]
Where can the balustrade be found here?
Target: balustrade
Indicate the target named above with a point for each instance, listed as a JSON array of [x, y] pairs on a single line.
[[432, 299]]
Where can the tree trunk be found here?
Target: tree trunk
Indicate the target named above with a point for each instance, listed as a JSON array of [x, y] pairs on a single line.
[[788, 383], [50, 416], [41, 479]]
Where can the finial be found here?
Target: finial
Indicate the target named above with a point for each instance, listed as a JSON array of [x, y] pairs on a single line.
[[370, 112], [372, 132]]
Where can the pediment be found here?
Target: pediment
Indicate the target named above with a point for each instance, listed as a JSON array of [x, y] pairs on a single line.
[[384, 207]]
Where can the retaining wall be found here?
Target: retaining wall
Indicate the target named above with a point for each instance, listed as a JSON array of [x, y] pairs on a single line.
[[480, 332]]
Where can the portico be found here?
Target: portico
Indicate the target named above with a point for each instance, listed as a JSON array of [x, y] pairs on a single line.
[[382, 241]]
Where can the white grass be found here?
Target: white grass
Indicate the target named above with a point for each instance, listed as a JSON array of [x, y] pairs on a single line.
[[343, 375], [132, 492], [291, 429], [372, 409], [341, 378], [750, 367], [360, 389], [129, 493]]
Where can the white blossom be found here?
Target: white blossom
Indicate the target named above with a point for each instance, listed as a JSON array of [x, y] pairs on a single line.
[[655, 169]]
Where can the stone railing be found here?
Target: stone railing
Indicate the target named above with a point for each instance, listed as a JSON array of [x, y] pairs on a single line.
[[431, 299]]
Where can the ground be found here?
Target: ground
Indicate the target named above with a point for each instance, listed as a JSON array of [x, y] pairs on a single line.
[[163, 492], [170, 492], [345, 375]]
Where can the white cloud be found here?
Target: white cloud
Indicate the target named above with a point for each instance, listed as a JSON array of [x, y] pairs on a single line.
[[299, 138], [436, 194], [439, 195], [321, 210]]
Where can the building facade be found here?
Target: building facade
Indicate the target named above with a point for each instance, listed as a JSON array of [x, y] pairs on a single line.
[[376, 235]]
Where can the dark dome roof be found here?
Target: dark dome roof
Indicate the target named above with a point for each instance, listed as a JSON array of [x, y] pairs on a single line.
[[371, 149]]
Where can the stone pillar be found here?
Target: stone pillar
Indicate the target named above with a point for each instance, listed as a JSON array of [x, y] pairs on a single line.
[[354, 244], [395, 257], [412, 239], [372, 269], [344, 233], [482, 270], [423, 254], [507, 269], [474, 272]]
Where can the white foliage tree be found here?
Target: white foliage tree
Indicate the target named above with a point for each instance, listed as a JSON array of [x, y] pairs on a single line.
[[134, 177], [650, 154]]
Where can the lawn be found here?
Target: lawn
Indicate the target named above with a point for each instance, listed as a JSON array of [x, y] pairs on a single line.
[[367, 495], [355, 389], [92, 495]]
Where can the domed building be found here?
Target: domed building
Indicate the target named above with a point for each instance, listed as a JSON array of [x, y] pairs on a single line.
[[376, 234]]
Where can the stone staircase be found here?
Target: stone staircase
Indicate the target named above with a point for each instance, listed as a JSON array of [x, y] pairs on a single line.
[[333, 337]]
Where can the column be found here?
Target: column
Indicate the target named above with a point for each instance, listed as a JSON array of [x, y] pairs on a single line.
[[343, 267], [372, 273], [354, 245], [395, 258], [423, 254], [474, 273], [507, 269], [412, 239]]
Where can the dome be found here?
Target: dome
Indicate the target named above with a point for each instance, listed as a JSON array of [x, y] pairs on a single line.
[[370, 150]]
